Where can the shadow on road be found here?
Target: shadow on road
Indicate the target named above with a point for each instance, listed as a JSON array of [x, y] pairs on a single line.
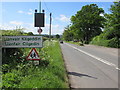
[[80, 75]]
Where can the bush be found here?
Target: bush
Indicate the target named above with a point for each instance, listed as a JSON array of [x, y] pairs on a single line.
[[98, 40], [81, 44], [45, 38], [114, 42], [50, 73], [11, 55], [10, 80]]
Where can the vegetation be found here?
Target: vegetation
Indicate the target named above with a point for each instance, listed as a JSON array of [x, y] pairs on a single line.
[[57, 36], [111, 34], [84, 25], [17, 72], [92, 25], [77, 43]]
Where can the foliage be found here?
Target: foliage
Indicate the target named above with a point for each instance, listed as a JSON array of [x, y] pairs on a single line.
[[57, 36], [77, 43], [50, 73], [88, 23], [30, 33], [110, 36], [45, 38], [84, 25], [11, 54], [16, 32], [67, 34], [98, 40]]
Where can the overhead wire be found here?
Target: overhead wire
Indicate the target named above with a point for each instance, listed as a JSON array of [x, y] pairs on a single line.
[[48, 8]]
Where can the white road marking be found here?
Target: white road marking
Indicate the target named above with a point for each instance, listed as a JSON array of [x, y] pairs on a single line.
[[97, 58]]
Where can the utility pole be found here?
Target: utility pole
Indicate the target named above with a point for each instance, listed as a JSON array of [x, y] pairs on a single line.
[[40, 7], [50, 26], [39, 12]]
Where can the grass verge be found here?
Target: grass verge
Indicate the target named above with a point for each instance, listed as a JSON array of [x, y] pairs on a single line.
[[50, 73], [76, 43]]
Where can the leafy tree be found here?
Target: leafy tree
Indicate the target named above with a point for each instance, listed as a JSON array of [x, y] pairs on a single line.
[[88, 21], [14, 32], [30, 33], [77, 34], [111, 34], [57, 36], [113, 21], [67, 34]]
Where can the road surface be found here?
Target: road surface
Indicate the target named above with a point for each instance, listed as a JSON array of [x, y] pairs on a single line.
[[91, 66]]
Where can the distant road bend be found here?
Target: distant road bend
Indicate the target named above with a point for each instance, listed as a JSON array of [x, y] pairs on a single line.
[[91, 66]]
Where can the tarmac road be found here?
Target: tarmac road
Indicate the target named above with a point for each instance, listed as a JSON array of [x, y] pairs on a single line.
[[91, 66]]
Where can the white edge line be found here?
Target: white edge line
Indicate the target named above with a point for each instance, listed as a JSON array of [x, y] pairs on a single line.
[[97, 58]]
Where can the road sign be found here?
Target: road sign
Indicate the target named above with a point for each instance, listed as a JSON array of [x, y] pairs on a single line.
[[22, 41], [33, 55], [39, 30], [39, 20]]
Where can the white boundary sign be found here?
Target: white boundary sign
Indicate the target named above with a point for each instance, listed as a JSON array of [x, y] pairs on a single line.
[[22, 41]]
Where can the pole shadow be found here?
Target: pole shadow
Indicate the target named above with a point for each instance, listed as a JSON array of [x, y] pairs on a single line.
[[81, 75]]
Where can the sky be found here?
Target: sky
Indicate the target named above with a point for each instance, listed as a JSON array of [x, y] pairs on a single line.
[[21, 14]]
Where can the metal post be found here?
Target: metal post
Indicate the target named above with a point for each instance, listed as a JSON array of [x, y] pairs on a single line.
[[39, 27], [40, 7], [50, 26]]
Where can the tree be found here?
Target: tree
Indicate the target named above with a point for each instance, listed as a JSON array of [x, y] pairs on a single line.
[[30, 33], [57, 36], [77, 33], [111, 34], [88, 21], [67, 34], [112, 27], [115, 19]]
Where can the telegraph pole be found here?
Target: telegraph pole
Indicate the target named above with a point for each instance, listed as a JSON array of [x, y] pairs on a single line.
[[40, 11], [50, 26], [40, 7]]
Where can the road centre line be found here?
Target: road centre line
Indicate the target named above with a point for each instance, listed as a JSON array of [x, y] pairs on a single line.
[[97, 58]]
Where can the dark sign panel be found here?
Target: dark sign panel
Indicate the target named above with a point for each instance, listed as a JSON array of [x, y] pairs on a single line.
[[39, 20]]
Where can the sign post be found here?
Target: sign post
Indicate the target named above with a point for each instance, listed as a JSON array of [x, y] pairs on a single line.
[[24, 42]]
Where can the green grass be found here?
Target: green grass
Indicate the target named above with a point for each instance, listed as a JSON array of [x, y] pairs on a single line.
[[76, 43], [100, 41], [50, 73]]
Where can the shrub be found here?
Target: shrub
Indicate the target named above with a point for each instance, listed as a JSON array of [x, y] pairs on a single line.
[[114, 42]]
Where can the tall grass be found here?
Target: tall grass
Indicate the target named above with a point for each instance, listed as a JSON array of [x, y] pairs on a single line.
[[76, 43], [50, 73], [101, 41]]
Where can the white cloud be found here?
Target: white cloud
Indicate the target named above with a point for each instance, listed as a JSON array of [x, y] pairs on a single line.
[[30, 12], [29, 27], [7, 27], [20, 11], [16, 22], [55, 29], [63, 18], [55, 26]]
